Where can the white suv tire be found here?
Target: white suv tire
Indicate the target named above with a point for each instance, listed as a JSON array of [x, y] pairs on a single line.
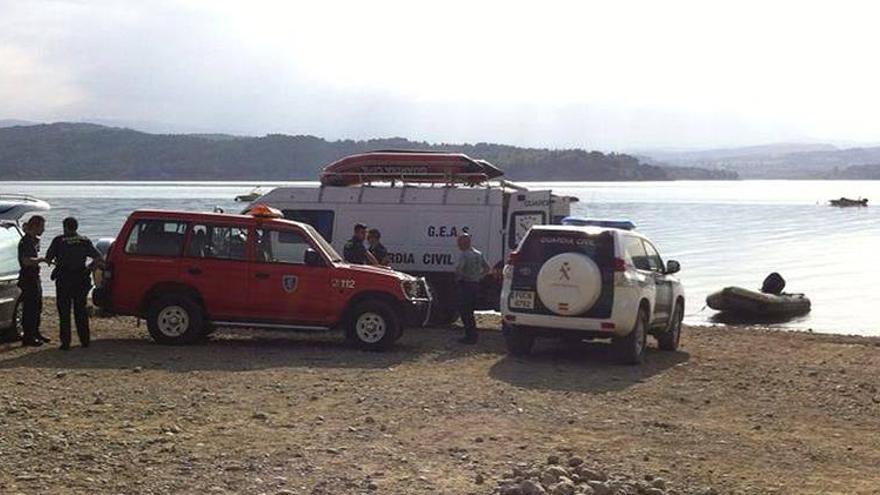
[[631, 347], [569, 284]]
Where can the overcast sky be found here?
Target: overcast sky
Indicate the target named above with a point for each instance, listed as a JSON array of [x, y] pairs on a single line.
[[605, 75]]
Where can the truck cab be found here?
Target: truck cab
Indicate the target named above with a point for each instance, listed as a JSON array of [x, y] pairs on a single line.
[[188, 273]]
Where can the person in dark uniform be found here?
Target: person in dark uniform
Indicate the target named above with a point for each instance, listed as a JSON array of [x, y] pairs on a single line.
[[69, 252], [374, 239], [354, 251], [29, 281]]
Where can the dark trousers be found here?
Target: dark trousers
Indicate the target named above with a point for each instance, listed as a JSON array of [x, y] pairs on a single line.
[[467, 300], [68, 295], [31, 309]]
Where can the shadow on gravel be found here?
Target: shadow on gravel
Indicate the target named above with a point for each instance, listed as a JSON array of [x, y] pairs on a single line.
[[224, 353], [583, 367]]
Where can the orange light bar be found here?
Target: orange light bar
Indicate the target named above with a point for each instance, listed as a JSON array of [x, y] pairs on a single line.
[[263, 211]]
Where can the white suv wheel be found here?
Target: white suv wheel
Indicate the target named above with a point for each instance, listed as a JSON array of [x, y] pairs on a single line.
[[370, 327]]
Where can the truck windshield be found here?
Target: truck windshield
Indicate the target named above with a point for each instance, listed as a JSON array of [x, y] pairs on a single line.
[[334, 256]]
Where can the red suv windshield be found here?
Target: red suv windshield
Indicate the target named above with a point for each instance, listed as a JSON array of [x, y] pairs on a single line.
[[319, 239]]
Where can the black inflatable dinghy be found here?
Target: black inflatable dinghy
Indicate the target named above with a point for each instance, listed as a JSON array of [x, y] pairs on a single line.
[[736, 300]]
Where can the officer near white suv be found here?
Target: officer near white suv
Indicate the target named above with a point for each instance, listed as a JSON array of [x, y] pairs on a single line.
[[469, 271], [29, 281]]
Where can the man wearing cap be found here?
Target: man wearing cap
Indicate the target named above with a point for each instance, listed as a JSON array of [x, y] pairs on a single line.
[[354, 251], [469, 271], [72, 278]]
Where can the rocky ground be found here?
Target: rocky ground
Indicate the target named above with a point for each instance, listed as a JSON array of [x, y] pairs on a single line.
[[735, 411]]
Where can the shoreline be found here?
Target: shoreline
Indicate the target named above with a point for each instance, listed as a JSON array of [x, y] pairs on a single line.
[[832, 334], [740, 411]]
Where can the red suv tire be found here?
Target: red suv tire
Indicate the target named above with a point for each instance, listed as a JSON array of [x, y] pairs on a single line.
[[175, 319], [373, 325]]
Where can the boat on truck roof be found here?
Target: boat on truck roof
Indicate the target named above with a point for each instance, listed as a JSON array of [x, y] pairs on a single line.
[[421, 201], [408, 166]]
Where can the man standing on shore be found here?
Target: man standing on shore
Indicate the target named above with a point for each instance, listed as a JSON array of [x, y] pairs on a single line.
[[377, 249], [354, 251], [29, 281], [469, 271], [72, 278]]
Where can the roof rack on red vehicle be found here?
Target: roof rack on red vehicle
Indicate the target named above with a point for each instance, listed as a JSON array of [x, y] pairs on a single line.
[[408, 166]]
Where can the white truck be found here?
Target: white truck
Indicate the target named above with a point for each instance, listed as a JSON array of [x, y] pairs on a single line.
[[421, 202]]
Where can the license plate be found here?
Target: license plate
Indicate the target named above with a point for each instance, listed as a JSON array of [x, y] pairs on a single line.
[[522, 299]]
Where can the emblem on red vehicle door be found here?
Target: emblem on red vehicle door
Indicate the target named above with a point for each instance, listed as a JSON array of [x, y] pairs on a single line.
[[288, 282]]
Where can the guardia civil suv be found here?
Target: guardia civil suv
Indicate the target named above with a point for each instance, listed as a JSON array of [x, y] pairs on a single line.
[[591, 282]]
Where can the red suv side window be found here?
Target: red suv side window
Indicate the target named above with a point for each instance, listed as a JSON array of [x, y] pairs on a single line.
[[281, 246], [218, 242], [156, 238]]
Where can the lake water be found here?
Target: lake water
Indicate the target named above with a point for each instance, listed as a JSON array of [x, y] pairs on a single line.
[[723, 233]]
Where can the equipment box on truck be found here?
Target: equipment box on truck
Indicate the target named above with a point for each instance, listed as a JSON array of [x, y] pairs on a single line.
[[421, 202]]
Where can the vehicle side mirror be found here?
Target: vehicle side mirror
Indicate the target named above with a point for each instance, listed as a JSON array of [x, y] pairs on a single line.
[[312, 258], [672, 266]]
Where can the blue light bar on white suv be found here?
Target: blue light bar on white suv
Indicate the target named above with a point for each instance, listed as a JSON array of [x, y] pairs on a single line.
[[599, 222]]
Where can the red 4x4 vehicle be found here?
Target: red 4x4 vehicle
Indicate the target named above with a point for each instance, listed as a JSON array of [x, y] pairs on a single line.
[[187, 273]]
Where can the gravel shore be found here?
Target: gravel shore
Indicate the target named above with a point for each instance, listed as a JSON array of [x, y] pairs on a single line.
[[734, 411]]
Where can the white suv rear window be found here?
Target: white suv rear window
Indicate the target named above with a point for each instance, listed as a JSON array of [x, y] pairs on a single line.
[[539, 246]]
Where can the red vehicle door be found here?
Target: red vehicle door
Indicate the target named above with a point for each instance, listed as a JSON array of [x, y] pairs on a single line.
[[150, 255], [216, 264], [282, 288]]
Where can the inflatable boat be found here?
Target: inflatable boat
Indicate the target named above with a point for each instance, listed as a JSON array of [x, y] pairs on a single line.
[[408, 166], [844, 202], [736, 300]]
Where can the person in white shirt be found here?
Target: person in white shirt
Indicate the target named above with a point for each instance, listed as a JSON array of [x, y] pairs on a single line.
[[469, 271]]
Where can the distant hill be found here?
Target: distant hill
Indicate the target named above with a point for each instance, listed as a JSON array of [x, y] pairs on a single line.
[[696, 173], [742, 152], [80, 151], [779, 161], [14, 122], [858, 172]]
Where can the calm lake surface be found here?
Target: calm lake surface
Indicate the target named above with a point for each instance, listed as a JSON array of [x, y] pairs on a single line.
[[723, 233]]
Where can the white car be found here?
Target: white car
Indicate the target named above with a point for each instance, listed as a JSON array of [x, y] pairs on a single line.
[[12, 208], [591, 282]]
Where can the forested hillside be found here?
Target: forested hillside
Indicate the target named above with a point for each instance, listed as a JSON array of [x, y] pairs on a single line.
[[78, 151]]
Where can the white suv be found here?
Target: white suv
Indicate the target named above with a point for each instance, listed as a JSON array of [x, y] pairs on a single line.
[[589, 282], [12, 208]]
